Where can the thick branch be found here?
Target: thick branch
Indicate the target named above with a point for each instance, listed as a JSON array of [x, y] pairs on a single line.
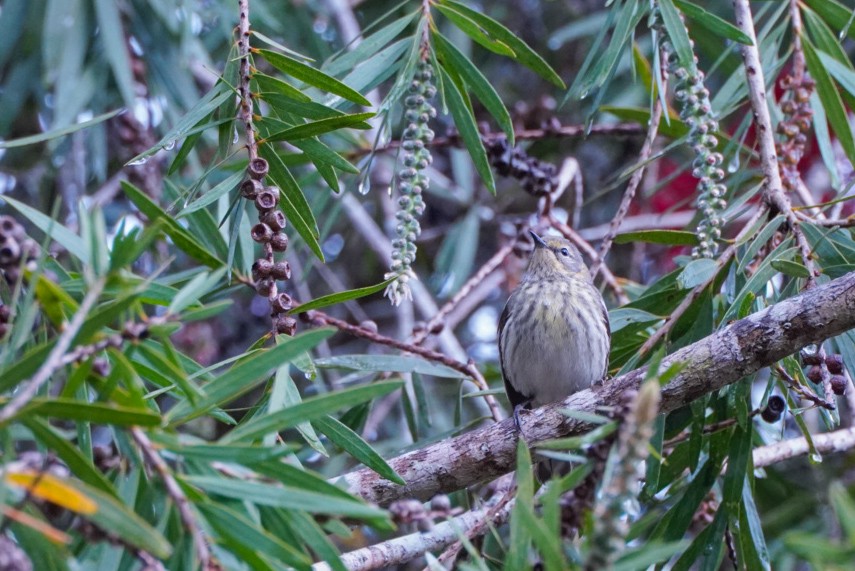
[[739, 349]]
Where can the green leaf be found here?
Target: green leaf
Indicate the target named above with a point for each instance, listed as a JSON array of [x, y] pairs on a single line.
[[311, 76], [221, 189], [650, 554], [321, 127], [284, 497], [350, 441], [251, 536], [830, 97], [483, 90], [521, 52], [677, 33], [73, 243], [98, 413], [115, 48], [624, 316], [69, 453], [122, 521], [56, 133], [475, 32], [292, 201], [368, 47], [309, 409], [668, 237], [388, 364], [790, 268], [338, 297], [246, 375], [219, 95], [195, 289], [179, 235], [696, 273], [466, 126], [713, 23], [835, 13]]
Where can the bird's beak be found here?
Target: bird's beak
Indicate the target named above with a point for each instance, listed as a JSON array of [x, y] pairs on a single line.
[[538, 241]]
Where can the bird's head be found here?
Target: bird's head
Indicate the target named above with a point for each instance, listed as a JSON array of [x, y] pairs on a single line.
[[554, 256]]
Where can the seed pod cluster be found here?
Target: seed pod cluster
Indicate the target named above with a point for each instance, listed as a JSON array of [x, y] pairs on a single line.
[[269, 232], [537, 177], [794, 127], [696, 111], [834, 364], [412, 180], [16, 248]]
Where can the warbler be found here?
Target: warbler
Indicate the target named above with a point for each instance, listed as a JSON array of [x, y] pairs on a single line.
[[554, 333]]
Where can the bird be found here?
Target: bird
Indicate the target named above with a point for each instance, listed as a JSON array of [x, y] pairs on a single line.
[[554, 336]]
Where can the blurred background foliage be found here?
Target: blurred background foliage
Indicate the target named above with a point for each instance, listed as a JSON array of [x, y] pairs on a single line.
[[122, 157]]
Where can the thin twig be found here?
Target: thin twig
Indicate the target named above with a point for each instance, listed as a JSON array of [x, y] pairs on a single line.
[[485, 270], [55, 359], [773, 193], [559, 131], [245, 112], [794, 386], [631, 187], [177, 494], [837, 441], [583, 245], [469, 369]]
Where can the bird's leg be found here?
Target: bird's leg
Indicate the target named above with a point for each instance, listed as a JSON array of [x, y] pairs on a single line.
[[523, 405]]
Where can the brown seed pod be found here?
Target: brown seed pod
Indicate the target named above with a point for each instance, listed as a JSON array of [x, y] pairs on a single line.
[[257, 168], [285, 324], [811, 358], [838, 384], [250, 188], [261, 232], [275, 219], [282, 303], [834, 364], [265, 286], [5, 313], [281, 270], [261, 268], [267, 199], [279, 242], [815, 374]]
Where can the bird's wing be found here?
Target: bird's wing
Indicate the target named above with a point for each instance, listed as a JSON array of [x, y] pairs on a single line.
[[516, 397]]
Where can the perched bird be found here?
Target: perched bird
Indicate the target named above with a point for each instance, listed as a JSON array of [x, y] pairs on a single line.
[[554, 331]]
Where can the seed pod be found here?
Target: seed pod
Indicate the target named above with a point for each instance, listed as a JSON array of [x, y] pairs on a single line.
[[250, 188], [775, 407], [834, 364], [101, 367], [275, 219], [838, 384], [285, 324], [811, 358], [267, 198], [279, 242], [261, 232], [440, 503], [281, 270], [261, 268], [257, 168], [265, 286], [282, 303], [5, 313], [815, 374]]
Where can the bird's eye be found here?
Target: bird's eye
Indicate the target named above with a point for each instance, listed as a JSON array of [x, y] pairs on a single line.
[[565, 252]]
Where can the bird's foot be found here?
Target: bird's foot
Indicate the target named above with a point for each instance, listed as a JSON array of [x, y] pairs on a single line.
[[517, 409]]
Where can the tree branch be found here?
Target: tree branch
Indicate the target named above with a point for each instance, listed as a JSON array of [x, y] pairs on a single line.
[[740, 349]]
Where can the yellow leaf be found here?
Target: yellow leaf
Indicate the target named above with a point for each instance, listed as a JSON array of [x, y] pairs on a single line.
[[54, 490]]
